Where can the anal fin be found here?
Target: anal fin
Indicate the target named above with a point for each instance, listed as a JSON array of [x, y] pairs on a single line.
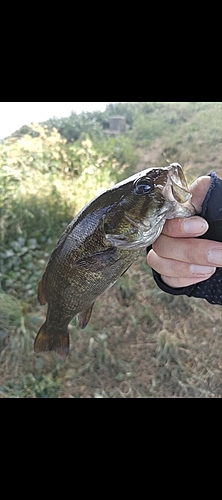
[[84, 317]]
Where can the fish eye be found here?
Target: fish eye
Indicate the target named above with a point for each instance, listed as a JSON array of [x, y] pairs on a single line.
[[143, 186]]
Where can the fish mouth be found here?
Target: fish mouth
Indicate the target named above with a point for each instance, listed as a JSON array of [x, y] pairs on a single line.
[[176, 192]]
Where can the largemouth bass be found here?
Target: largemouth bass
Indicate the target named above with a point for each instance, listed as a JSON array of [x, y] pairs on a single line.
[[100, 244]]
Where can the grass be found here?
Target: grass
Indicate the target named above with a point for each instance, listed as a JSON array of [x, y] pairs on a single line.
[[140, 342]]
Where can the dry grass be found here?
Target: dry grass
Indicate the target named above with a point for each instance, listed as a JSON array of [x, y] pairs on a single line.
[[155, 346]]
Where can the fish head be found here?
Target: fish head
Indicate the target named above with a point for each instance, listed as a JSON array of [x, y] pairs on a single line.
[[149, 198]]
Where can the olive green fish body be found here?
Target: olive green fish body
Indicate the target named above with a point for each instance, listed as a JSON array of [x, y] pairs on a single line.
[[100, 244]]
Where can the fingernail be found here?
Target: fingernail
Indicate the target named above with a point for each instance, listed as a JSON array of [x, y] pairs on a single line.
[[195, 225], [201, 270], [214, 256]]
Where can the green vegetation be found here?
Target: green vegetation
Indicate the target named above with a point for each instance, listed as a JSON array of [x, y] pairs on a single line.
[[139, 342]]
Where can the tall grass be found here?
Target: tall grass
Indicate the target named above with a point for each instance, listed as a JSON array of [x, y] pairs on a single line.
[[45, 181]]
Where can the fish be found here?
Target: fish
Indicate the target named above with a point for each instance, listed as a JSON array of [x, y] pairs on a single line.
[[102, 241]]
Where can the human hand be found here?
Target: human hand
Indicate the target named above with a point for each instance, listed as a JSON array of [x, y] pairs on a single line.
[[177, 255]]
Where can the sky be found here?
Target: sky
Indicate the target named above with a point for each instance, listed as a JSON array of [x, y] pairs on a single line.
[[15, 114]]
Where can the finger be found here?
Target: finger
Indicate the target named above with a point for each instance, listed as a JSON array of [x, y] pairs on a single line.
[[190, 227], [190, 250], [173, 268], [199, 190]]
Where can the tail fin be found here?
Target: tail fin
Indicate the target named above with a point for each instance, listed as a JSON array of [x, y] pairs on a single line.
[[57, 342]]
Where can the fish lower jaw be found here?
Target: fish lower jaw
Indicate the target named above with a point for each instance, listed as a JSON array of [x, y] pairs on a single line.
[[175, 209], [181, 210]]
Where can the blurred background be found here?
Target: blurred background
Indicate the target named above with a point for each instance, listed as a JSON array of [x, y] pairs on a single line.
[[140, 342], [15, 114]]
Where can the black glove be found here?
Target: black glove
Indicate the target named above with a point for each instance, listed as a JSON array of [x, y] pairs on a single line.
[[210, 289]]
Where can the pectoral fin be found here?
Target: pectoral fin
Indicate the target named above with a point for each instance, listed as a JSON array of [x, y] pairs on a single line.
[[84, 317], [98, 261]]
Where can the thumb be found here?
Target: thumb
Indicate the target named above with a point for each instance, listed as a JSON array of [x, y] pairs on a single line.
[[199, 190]]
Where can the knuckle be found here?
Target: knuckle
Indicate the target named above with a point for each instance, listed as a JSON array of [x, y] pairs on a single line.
[[172, 227]]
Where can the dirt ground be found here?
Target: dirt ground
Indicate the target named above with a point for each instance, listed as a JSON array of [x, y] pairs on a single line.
[[144, 343]]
